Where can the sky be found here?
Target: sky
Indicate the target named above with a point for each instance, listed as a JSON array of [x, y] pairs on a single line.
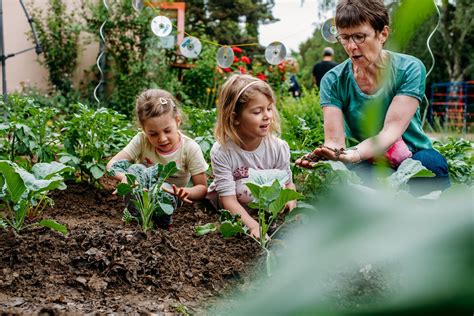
[[297, 23]]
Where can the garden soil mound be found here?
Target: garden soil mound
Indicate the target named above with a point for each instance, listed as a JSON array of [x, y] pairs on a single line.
[[104, 266]]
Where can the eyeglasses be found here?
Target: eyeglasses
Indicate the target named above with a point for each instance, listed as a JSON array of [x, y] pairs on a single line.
[[357, 38]]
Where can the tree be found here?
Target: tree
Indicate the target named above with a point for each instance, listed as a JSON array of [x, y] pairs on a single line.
[[457, 28], [229, 21]]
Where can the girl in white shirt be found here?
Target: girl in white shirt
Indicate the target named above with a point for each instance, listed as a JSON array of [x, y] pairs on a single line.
[[246, 145]]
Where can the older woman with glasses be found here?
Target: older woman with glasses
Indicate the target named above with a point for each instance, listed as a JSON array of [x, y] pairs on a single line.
[[373, 98]]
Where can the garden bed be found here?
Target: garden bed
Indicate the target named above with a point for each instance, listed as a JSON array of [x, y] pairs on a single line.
[[103, 265]]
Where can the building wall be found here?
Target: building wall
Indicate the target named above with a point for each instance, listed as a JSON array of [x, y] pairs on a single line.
[[25, 68]]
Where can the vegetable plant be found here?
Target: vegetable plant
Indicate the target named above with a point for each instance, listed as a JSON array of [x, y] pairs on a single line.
[[269, 201], [24, 194], [144, 187], [91, 136], [459, 154]]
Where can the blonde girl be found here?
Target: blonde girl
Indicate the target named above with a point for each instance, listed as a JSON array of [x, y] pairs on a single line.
[[247, 146], [161, 142]]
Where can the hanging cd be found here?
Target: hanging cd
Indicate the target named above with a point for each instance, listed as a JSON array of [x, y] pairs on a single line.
[[161, 26], [329, 30], [225, 57], [275, 53], [190, 47], [137, 5]]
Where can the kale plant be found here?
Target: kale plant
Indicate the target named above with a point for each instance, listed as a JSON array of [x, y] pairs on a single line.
[[144, 187]]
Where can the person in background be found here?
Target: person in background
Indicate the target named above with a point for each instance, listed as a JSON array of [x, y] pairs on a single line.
[[246, 146], [292, 67], [374, 97], [161, 142], [322, 67]]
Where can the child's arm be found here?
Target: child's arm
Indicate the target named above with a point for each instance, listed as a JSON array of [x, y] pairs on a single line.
[[231, 204], [120, 156]]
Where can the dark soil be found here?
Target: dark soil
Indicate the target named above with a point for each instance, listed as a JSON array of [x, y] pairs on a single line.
[[105, 266]]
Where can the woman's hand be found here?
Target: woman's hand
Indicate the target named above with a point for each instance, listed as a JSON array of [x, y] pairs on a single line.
[[181, 193], [350, 156], [328, 153]]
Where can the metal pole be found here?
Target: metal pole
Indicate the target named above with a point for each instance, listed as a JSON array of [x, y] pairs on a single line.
[[3, 57]]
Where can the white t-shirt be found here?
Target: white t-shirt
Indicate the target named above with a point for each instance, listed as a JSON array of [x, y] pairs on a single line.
[[231, 163], [188, 157]]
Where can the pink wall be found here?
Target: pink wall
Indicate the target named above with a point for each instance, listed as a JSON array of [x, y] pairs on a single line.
[[25, 67]]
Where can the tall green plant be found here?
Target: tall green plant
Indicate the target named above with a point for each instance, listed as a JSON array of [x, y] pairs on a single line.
[[90, 137], [58, 31]]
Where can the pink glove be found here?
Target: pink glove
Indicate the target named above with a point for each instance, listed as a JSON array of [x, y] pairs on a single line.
[[398, 152]]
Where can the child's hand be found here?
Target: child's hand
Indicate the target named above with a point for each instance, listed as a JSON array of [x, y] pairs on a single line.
[[124, 180], [255, 233], [290, 205], [179, 192]]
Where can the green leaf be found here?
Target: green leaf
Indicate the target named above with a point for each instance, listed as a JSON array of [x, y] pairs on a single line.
[[123, 189], [52, 224], [255, 189], [14, 182], [205, 229], [36, 186], [285, 196], [3, 224], [127, 217], [270, 193], [48, 170], [166, 207], [97, 171], [229, 229], [408, 169]]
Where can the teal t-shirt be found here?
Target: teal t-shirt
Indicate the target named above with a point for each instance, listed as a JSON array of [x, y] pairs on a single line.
[[364, 114]]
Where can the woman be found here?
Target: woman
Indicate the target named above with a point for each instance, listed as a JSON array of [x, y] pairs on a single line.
[[374, 97]]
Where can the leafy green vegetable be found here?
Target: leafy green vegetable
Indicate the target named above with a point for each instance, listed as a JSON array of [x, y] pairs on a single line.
[[24, 193], [144, 186]]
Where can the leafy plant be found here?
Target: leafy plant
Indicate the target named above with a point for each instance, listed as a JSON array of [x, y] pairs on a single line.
[[459, 154], [269, 201], [31, 131], [144, 187], [24, 194], [230, 225], [91, 136]]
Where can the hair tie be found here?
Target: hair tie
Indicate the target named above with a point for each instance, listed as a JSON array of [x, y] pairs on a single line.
[[245, 88]]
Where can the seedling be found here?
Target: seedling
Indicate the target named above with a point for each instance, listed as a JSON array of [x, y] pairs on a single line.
[[144, 189]]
